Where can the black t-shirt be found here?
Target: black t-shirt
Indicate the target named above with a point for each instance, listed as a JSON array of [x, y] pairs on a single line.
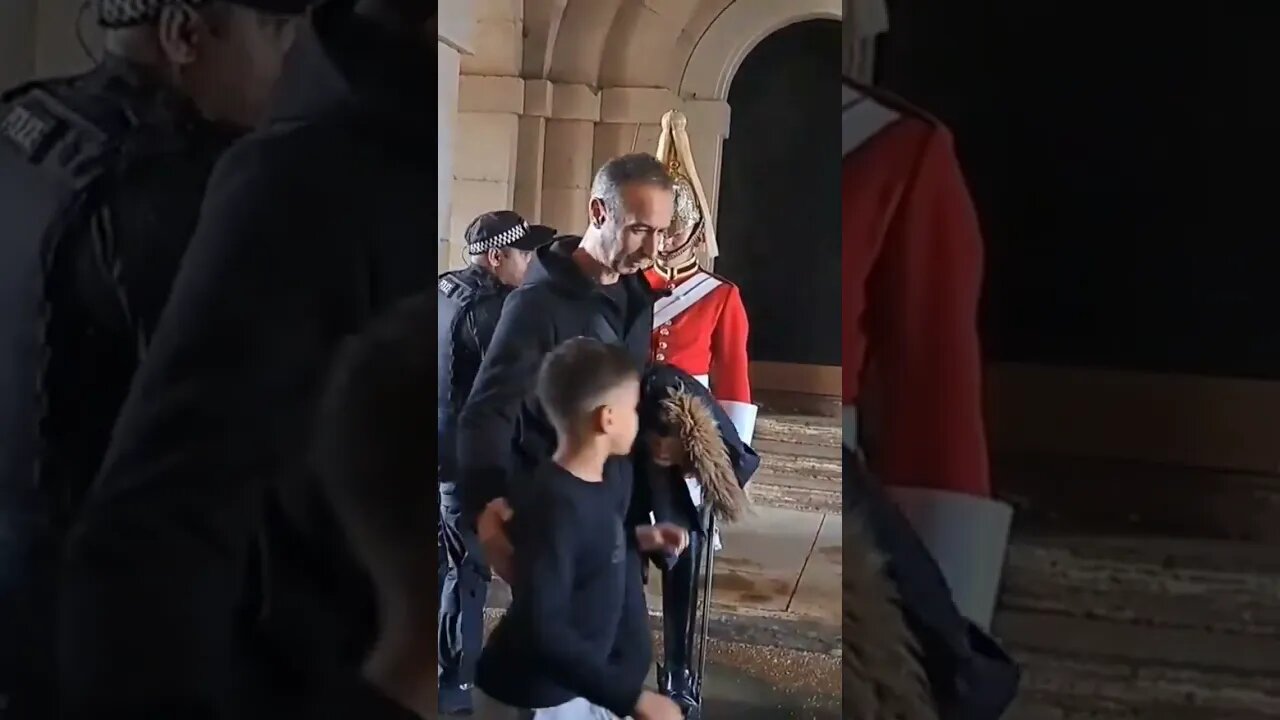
[[575, 622], [614, 305]]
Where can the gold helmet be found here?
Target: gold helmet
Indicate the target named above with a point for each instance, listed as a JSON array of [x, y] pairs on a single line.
[[692, 209]]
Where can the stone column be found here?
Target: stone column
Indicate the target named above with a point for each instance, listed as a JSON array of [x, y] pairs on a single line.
[[630, 121], [17, 42], [567, 162], [866, 20], [485, 162], [452, 39], [58, 48], [531, 150]]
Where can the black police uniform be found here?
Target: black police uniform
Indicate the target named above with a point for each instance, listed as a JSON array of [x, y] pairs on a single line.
[[470, 302], [101, 180], [719, 457]]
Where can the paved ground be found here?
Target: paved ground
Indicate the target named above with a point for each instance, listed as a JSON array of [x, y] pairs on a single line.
[[782, 562], [1143, 628], [780, 565], [753, 683]]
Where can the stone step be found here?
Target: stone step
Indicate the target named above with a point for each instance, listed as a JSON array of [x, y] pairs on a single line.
[[799, 463], [799, 430], [1215, 586], [1142, 628]]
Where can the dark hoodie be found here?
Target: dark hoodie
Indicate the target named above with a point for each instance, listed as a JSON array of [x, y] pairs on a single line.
[[175, 584], [503, 435]]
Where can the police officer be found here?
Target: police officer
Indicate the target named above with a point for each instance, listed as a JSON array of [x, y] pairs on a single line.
[[499, 247], [101, 180]]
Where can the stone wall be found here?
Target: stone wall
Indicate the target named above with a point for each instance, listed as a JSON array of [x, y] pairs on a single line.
[[38, 39], [555, 88]]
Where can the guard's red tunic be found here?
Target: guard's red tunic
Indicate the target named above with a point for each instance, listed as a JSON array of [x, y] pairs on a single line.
[[709, 339], [912, 277]]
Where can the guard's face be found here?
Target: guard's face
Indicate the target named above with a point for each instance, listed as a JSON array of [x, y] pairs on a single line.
[[666, 451], [642, 226], [239, 61], [679, 245]]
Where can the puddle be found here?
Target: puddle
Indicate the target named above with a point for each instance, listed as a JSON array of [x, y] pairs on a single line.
[[733, 563], [834, 553], [750, 589]]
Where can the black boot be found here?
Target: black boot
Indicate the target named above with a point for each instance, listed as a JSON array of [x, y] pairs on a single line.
[[677, 684], [679, 605]]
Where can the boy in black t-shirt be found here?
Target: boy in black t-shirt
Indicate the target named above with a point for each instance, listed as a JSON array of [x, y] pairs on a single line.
[[577, 620]]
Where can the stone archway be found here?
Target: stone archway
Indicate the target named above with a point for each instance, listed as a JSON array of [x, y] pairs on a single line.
[[705, 86], [715, 59], [779, 205]]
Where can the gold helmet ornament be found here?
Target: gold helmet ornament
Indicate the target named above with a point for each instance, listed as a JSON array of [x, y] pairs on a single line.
[[691, 228]]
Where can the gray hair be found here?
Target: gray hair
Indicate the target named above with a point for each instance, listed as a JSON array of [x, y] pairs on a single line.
[[641, 168]]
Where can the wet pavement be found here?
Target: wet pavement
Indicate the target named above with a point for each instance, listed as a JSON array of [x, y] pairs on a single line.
[[755, 683], [779, 563]]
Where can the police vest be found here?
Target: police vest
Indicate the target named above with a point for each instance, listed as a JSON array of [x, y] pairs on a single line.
[[458, 347], [55, 151]]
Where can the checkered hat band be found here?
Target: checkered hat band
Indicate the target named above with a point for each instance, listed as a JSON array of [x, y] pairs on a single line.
[[501, 240], [124, 13]]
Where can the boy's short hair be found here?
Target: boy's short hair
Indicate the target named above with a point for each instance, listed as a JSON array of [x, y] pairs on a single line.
[[577, 374], [373, 452]]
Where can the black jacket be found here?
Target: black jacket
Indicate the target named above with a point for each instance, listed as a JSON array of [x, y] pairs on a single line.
[[723, 462], [469, 302], [971, 676], [503, 433], [85, 268], [310, 228]]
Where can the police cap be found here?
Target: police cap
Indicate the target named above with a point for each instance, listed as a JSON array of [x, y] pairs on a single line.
[[505, 229], [125, 13]]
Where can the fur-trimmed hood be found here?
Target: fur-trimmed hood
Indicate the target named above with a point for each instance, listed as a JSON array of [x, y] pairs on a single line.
[[674, 402], [883, 678]]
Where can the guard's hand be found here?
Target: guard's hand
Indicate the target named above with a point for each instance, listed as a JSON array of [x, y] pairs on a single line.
[[652, 706], [491, 529], [663, 537]]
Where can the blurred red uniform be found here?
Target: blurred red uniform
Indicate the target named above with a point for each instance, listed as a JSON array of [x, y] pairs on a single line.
[[912, 280]]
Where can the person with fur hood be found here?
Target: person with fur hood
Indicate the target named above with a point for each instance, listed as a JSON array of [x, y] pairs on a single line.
[[694, 468]]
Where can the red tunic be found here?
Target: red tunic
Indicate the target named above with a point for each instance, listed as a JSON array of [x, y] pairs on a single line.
[[912, 277], [708, 339]]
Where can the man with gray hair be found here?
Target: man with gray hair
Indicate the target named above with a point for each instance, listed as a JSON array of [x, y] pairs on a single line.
[[101, 179], [577, 286]]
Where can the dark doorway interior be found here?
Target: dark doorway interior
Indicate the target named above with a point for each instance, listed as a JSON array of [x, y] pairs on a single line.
[[1124, 171], [779, 214]]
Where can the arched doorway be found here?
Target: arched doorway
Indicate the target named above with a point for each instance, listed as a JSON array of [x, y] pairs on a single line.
[[778, 216]]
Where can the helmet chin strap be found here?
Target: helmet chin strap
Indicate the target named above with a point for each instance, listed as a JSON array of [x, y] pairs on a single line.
[[665, 257]]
